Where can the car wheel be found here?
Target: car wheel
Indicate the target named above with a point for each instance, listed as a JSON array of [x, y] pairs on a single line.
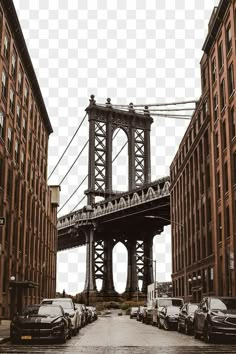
[[166, 325], [208, 337], [186, 329], [74, 332], [63, 336], [69, 333], [159, 325]]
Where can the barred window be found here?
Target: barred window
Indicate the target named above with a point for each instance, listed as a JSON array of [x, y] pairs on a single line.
[[20, 82], [17, 151], [22, 161], [4, 84], [213, 70], [11, 104], [231, 79], [9, 140], [1, 125], [6, 47], [220, 55], [222, 94], [13, 65], [18, 114], [215, 106], [228, 38], [26, 95]]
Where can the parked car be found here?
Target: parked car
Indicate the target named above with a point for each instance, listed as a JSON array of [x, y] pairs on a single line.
[[216, 316], [69, 307], [185, 319], [168, 317], [158, 304], [140, 313], [133, 312], [80, 308], [93, 311], [147, 315], [41, 322]]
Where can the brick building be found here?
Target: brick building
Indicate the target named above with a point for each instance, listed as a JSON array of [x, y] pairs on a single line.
[[203, 173], [28, 240]]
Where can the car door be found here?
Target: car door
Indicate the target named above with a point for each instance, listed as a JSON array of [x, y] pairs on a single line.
[[162, 314], [181, 318], [202, 315]]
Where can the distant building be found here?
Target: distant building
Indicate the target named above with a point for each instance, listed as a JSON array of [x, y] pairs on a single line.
[[28, 240], [203, 173], [163, 289]]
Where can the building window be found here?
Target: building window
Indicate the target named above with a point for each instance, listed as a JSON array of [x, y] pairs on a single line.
[[234, 167], [228, 38], [217, 145], [17, 151], [13, 65], [232, 123], [215, 106], [203, 78], [22, 161], [26, 95], [18, 115], [213, 70], [218, 184], [219, 228], [226, 177], [11, 101], [224, 135], [220, 55], [1, 171], [9, 140], [210, 278], [227, 223], [6, 47], [231, 79], [1, 125], [20, 82], [4, 84], [204, 110], [222, 94], [24, 127]]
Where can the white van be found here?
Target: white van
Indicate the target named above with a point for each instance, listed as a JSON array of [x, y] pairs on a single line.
[[160, 302]]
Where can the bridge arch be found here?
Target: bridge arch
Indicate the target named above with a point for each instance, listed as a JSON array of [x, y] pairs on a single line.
[[119, 265]]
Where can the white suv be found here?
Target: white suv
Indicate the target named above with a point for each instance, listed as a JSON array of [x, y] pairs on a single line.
[[69, 307]]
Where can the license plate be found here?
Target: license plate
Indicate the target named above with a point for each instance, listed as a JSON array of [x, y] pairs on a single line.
[[26, 337]]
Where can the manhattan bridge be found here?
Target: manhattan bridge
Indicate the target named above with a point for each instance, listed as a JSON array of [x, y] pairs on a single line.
[[121, 216]]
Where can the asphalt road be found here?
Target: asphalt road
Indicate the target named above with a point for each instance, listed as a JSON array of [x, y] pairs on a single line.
[[120, 335]]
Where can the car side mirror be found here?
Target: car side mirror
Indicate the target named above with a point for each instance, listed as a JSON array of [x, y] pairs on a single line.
[[204, 308], [66, 314]]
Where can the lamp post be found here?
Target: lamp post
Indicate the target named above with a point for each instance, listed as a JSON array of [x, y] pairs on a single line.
[[184, 253]]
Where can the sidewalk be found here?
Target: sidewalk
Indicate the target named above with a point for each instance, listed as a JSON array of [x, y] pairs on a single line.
[[4, 331]]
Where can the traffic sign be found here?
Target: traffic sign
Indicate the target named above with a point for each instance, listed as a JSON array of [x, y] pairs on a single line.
[[2, 221]]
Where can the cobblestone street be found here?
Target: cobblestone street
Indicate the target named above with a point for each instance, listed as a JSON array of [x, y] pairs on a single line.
[[121, 335]]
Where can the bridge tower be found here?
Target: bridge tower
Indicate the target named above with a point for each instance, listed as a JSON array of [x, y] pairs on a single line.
[[103, 121]]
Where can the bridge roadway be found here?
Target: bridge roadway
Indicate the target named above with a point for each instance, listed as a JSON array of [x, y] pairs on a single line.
[[123, 213]]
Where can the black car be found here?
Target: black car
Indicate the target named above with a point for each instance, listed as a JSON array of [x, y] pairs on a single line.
[[185, 319], [216, 316], [41, 322], [168, 317]]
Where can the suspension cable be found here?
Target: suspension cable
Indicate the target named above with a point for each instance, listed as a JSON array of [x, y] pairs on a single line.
[[120, 151], [78, 203], [152, 104], [74, 161], [172, 116], [73, 193], [167, 109], [68, 146]]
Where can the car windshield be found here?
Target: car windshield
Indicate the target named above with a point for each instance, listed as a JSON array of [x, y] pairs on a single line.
[[64, 304], [172, 309], [31, 310], [192, 308], [170, 302], [223, 304], [52, 311]]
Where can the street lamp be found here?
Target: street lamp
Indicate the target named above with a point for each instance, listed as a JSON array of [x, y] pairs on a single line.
[[184, 253]]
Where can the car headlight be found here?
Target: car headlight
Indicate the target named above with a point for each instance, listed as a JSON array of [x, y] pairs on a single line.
[[217, 318]]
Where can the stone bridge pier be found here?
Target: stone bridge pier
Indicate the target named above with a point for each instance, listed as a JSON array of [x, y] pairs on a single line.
[[99, 265]]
